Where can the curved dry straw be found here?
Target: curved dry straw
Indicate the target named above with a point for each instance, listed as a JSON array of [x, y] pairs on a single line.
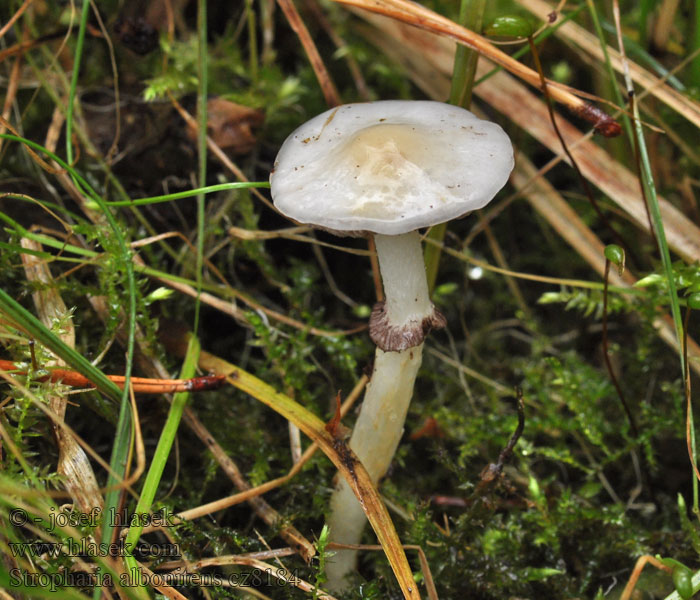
[[423, 18]]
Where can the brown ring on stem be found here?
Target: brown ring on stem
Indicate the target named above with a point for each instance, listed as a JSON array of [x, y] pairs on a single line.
[[394, 338]]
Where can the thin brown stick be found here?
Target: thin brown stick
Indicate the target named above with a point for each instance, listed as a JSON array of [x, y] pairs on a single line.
[[40, 161], [637, 571], [226, 306], [328, 88], [162, 583], [557, 212], [217, 561], [429, 60], [216, 150], [291, 233], [491, 473], [109, 155], [501, 261], [588, 42], [341, 44], [13, 18]]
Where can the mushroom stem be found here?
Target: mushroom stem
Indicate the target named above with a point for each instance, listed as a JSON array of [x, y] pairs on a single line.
[[374, 439], [407, 314], [403, 276]]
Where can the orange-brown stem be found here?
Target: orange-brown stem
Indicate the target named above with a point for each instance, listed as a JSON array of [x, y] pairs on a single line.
[[140, 385]]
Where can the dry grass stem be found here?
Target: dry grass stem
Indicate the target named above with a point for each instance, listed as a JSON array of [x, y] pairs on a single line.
[[280, 299], [10, 95], [328, 88], [424, 566], [292, 233], [342, 46], [642, 561], [226, 306], [415, 15]]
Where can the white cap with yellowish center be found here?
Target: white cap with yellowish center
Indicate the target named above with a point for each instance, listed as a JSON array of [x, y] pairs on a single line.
[[390, 167]]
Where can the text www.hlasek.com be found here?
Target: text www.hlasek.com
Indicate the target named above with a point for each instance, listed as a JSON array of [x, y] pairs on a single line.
[[87, 547]]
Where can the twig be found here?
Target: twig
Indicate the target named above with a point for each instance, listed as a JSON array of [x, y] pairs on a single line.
[[141, 385], [328, 88]]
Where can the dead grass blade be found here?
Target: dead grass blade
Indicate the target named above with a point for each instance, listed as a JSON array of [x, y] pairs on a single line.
[[226, 306], [152, 366], [250, 493], [353, 66], [11, 94], [422, 558], [328, 88], [69, 432], [415, 15]]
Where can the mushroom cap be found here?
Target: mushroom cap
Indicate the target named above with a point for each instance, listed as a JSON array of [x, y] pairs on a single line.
[[389, 167]]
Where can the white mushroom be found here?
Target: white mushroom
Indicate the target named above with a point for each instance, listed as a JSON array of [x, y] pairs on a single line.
[[388, 168]]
